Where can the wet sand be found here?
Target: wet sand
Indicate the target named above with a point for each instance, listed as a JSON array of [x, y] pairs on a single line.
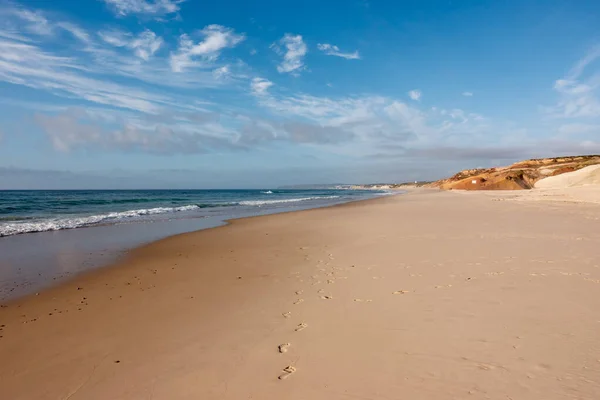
[[429, 295]]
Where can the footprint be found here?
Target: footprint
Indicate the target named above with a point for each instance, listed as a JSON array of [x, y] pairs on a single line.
[[330, 281], [287, 371], [283, 348], [286, 314], [361, 300], [298, 301], [301, 327], [326, 297], [299, 291], [321, 291], [400, 292]]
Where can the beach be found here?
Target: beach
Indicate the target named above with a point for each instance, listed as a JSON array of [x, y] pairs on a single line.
[[424, 295]]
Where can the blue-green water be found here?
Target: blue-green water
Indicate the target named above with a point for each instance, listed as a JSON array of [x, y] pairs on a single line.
[[39, 211]]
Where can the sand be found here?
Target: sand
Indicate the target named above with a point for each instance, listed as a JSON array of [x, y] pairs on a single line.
[[428, 295], [583, 177]]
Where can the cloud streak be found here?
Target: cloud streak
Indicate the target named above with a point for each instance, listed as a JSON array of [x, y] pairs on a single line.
[[143, 45], [332, 50], [191, 54], [153, 8]]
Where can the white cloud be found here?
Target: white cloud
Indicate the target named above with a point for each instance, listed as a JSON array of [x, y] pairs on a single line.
[[260, 86], [143, 45], [415, 95], [222, 72], [468, 94], [332, 50], [293, 56], [216, 39], [144, 7]]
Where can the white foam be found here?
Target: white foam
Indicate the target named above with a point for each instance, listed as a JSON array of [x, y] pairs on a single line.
[[267, 192], [266, 202], [70, 223]]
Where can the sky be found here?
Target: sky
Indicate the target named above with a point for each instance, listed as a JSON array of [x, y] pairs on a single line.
[[243, 94]]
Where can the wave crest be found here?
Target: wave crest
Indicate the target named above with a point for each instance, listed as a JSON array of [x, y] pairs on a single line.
[[266, 202], [71, 223]]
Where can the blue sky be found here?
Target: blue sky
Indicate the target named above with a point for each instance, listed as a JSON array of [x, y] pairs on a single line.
[[195, 94]]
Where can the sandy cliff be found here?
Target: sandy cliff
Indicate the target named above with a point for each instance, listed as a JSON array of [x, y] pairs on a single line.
[[518, 176]]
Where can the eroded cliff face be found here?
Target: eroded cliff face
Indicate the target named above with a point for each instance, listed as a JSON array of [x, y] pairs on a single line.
[[518, 176]]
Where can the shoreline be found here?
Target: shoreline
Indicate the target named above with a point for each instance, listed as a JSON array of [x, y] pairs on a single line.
[[431, 294], [102, 258]]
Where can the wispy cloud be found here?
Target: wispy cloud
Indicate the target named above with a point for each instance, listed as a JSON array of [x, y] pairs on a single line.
[[332, 50], [380, 121], [112, 68], [293, 55], [75, 30], [468, 94], [216, 39], [259, 86], [35, 21], [143, 45], [578, 90], [415, 94], [28, 65], [78, 129], [144, 7]]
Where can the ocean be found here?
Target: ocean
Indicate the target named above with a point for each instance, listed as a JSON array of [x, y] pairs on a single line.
[[24, 212], [48, 236]]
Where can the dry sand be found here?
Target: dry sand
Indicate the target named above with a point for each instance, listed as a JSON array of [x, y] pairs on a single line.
[[429, 295]]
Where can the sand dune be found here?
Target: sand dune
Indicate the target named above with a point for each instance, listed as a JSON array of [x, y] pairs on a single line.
[[585, 176]]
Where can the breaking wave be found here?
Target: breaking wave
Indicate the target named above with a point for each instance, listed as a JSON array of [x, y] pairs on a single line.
[[10, 226], [57, 224], [266, 202]]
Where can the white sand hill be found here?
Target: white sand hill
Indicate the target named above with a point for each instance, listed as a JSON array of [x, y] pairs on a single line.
[[583, 177]]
